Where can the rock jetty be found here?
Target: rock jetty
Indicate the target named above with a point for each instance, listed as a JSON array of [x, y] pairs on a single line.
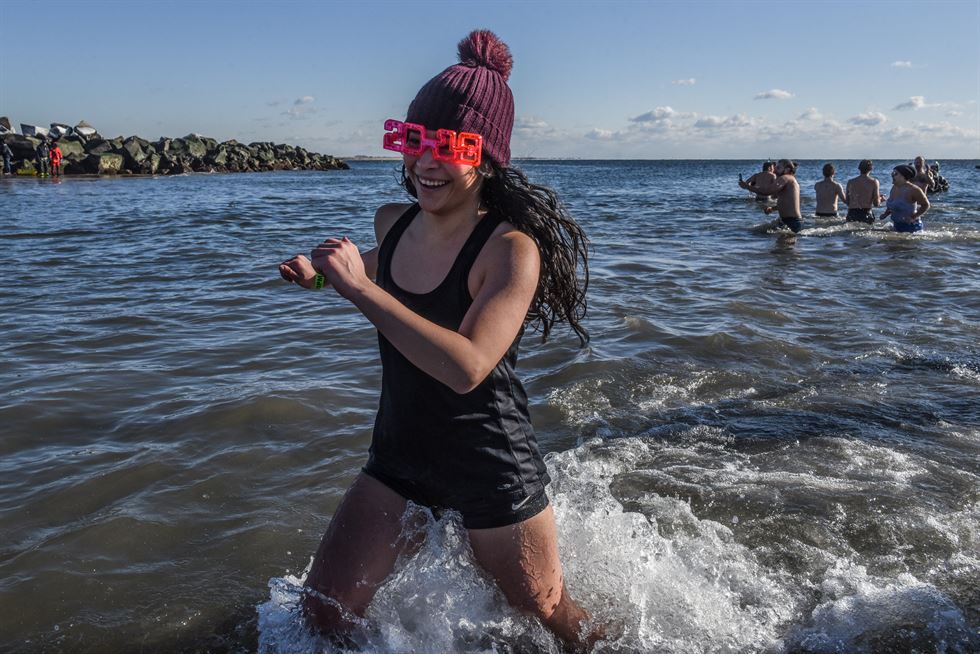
[[86, 152]]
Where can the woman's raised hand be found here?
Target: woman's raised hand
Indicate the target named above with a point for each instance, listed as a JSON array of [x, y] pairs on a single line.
[[340, 262], [298, 270]]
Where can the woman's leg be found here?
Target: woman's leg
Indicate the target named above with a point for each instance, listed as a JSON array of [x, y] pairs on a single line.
[[523, 559], [364, 539]]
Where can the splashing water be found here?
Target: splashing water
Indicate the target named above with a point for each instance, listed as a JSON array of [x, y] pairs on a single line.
[[653, 567]]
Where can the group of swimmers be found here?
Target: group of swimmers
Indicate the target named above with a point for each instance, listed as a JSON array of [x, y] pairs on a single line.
[[905, 204]]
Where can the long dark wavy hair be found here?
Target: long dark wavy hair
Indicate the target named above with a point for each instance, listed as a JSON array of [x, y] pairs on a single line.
[[563, 246]]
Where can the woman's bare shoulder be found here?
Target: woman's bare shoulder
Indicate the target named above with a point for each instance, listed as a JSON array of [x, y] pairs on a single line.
[[509, 244], [386, 216]]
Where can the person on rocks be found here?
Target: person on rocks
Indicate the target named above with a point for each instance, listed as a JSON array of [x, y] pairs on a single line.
[[56, 158], [787, 192], [8, 156], [863, 193], [454, 281], [42, 154]]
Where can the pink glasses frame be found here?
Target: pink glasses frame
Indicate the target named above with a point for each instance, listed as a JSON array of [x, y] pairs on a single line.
[[454, 147]]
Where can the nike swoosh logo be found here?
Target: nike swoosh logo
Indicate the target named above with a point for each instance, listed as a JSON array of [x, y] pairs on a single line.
[[514, 507]]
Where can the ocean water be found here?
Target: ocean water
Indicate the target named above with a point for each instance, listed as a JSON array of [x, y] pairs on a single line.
[[770, 444]]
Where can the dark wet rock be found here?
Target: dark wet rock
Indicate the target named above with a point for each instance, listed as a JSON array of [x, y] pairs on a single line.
[[151, 165], [98, 146], [22, 146], [25, 167], [85, 151], [104, 164], [133, 154], [72, 148]]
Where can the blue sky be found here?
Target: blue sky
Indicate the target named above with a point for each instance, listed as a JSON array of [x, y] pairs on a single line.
[[746, 79]]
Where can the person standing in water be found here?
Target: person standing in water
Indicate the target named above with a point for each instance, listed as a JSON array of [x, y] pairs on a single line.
[[863, 193], [766, 176], [455, 279], [939, 183], [906, 202], [828, 191], [923, 176], [787, 192]]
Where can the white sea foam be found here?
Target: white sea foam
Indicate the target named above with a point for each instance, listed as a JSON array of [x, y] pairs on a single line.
[[666, 576]]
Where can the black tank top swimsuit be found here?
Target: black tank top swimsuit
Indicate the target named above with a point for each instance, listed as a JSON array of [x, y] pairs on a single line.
[[474, 453]]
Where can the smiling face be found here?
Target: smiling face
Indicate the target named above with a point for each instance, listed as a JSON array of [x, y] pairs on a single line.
[[442, 186]]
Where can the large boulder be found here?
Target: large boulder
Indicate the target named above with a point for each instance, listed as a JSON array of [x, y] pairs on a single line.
[[190, 146], [25, 167], [22, 146], [98, 146], [143, 143], [72, 148], [151, 165], [263, 153], [219, 157], [133, 155], [86, 131], [71, 167], [104, 164]]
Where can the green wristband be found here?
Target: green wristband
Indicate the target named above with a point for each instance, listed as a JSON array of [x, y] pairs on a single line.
[[318, 281]]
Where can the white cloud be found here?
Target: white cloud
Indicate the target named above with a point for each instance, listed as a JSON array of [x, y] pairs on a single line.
[[914, 103], [901, 64], [529, 122], [690, 81], [811, 114], [718, 122], [597, 134], [302, 108], [869, 118], [659, 113], [954, 113], [774, 94]]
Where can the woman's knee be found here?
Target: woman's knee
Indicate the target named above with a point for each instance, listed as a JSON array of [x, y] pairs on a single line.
[[541, 602], [330, 612]]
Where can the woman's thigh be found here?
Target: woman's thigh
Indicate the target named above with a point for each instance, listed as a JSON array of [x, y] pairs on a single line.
[[358, 552], [523, 559]]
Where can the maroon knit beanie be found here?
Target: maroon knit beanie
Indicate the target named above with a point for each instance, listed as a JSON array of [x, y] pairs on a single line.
[[472, 96]]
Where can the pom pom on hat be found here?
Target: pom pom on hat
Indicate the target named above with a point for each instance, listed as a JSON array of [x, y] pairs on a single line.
[[472, 96], [484, 48]]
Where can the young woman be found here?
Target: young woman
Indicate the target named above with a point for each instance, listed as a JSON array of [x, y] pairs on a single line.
[[906, 202], [454, 281]]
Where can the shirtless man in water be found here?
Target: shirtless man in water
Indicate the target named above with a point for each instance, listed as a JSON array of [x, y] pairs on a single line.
[[787, 192], [828, 190], [764, 177], [923, 176], [862, 195]]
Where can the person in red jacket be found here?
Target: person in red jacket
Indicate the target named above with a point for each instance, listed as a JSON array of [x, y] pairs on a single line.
[[55, 159]]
